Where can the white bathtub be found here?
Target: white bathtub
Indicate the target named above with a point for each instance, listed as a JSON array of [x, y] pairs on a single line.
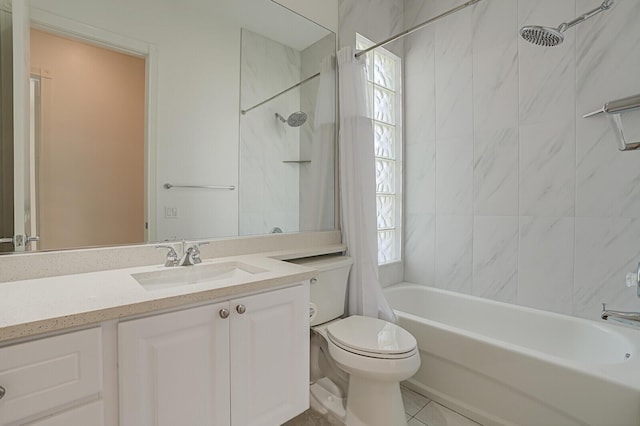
[[503, 364]]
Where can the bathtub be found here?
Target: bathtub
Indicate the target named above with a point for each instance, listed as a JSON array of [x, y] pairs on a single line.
[[502, 364]]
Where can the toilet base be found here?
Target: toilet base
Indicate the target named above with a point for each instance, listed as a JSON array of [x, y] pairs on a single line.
[[374, 403], [326, 402]]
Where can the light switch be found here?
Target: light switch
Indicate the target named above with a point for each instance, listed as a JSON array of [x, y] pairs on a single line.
[[170, 212]]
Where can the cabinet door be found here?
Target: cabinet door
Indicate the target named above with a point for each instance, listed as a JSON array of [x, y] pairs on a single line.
[[46, 374], [174, 369], [89, 414], [270, 357]]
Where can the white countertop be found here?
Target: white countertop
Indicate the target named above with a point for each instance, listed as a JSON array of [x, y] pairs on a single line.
[[32, 307]]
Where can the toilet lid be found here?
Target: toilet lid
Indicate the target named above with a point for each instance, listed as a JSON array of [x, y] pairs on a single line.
[[371, 336]]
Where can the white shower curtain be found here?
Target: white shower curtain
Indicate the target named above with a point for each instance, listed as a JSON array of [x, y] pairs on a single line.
[[357, 190], [321, 176]]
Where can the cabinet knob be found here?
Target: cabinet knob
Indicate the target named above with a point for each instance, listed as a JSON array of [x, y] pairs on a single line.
[[224, 313], [241, 309], [2, 392]]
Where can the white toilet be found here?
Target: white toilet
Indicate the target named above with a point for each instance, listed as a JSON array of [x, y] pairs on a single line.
[[375, 354]]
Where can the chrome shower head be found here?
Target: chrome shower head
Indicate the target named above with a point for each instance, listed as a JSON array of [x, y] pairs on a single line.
[[296, 119], [542, 36], [549, 37]]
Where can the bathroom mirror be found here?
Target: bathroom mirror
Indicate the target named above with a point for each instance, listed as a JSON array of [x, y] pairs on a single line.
[[162, 152]]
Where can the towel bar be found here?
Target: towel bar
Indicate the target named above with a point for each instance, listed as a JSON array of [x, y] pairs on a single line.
[[229, 187], [613, 110]]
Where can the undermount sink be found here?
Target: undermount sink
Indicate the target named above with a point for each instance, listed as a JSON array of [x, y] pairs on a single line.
[[199, 274]]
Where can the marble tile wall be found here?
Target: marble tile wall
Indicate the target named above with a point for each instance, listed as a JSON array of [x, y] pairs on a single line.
[[269, 188], [511, 194], [374, 19], [320, 166]]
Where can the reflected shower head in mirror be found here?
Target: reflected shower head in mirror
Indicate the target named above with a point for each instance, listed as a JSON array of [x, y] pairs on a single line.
[[549, 37], [296, 119]]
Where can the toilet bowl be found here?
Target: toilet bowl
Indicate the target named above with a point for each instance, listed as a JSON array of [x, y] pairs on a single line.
[[373, 354], [377, 355]]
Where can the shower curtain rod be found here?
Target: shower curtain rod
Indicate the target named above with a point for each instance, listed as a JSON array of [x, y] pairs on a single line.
[[365, 51], [416, 28], [244, 111]]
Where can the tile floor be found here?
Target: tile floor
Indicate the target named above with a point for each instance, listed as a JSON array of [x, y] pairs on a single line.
[[420, 412]]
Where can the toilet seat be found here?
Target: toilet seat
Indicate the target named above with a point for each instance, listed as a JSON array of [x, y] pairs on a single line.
[[372, 337]]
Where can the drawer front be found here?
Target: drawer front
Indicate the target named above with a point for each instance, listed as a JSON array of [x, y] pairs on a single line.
[[89, 414], [41, 375]]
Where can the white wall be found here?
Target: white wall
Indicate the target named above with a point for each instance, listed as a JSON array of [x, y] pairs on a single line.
[[324, 12], [510, 194]]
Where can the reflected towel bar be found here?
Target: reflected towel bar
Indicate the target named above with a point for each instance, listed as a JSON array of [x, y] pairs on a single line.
[[229, 187]]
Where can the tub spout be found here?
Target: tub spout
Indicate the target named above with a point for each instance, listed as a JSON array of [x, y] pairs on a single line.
[[619, 315]]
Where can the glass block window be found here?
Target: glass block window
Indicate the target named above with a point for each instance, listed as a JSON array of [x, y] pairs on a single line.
[[384, 84]]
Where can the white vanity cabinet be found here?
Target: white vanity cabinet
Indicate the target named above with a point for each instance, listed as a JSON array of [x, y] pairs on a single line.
[[53, 381], [241, 362]]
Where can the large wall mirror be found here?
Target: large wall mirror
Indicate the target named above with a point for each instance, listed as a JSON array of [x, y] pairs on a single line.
[[162, 120]]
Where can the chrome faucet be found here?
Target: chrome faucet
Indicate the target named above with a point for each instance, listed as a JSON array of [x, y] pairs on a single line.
[[191, 256], [619, 315], [633, 280], [172, 256]]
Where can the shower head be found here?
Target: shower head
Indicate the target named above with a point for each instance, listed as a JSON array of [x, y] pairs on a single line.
[[549, 37], [542, 36], [296, 119]]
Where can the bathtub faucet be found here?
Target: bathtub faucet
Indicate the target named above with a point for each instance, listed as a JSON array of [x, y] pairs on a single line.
[[619, 315]]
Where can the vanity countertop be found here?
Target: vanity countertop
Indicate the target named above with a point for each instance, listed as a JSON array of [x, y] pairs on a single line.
[[37, 306]]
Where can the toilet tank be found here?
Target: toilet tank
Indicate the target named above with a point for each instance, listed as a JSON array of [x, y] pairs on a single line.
[[329, 288]]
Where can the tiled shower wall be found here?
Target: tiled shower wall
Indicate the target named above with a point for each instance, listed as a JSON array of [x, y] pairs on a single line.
[[274, 193], [269, 188], [310, 60], [511, 194]]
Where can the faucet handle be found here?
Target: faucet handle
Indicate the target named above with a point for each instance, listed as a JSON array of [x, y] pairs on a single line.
[[172, 256], [195, 253], [633, 280]]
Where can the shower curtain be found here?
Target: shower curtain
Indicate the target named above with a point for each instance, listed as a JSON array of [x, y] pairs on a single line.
[[357, 190], [321, 176]]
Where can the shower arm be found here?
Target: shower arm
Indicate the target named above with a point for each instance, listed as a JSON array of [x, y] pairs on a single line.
[[606, 5]]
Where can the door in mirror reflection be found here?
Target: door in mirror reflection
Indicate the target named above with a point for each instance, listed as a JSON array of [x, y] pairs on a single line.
[[87, 144]]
